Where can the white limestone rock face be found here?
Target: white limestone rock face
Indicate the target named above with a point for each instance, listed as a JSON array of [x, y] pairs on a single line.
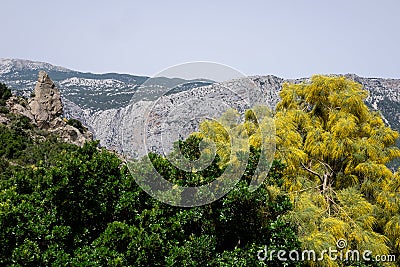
[[153, 126], [122, 129]]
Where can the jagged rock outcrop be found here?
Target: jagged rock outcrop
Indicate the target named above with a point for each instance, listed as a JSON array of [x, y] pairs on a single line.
[[17, 105], [46, 104], [45, 109]]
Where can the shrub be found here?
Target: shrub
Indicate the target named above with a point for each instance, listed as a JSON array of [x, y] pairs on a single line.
[[5, 94], [4, 110], [77, 124]]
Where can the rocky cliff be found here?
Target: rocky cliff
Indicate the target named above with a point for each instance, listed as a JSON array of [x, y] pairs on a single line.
[[45, 110], [119, 128], [103, 101]]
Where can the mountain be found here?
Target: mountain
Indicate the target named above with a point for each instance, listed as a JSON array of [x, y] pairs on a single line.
[[112, 106], [89, 91]]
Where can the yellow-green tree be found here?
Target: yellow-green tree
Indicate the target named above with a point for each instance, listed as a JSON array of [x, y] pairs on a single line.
[[336, 150], [389, 212], [325, 128]]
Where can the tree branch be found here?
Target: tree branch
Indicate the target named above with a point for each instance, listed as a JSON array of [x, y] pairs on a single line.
[[311, 171], [326, 165]]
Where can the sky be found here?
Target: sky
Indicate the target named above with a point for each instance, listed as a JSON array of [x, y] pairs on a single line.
[[290, 39]]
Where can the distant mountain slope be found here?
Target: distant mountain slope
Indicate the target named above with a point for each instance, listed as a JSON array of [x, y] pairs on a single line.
[[103, 101], [384, 96], [87, 90]]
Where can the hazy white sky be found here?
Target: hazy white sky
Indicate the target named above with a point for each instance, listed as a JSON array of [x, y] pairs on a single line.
[[285, 38]]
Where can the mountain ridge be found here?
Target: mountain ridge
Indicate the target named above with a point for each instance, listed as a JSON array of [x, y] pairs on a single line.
[[98, 98], [111, 90]]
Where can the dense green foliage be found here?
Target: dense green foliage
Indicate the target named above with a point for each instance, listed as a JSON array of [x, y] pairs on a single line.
[[61, 205]]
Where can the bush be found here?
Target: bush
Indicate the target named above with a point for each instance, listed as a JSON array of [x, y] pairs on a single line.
[[12, 142], [4, 110], [77, 124], [5, 94], [21, 123]]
